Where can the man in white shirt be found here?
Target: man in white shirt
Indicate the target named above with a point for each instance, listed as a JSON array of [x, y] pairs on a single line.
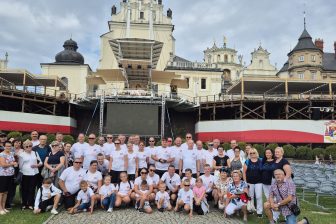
[[69, 182], [177, 152], [162, 157], [172, 181], [188, 137], [80, 146], [34, 138], [189, 159], [230, 152], [210, 154], [151, 149], [208, 182], [169, 142], [201, 155], [91, 152], [108, 146]]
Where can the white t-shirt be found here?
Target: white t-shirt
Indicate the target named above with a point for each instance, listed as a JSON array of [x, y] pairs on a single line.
[[135, 148], [189, 158], [150, 151], [93, 178], [104, 167], [131, 162], [192, 181], [186, 196], [77, 149], [171, 182], [90, 154], [202, 158], [208, 182], [85, 197], [155, 179], [118, 161], [44, 195], [138, 181], [176, 152], [142, 156], [125, 187], [28, 159], [185, 146], [106, 190], [72, 179], [209, 156], [162, 153], [230, 153], [164, 196], [108, 148], [36, 142]]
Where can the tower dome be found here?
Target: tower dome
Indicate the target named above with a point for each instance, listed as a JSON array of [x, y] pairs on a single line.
[[69, 55]]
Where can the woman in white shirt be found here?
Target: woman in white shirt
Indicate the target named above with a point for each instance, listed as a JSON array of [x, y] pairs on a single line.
[[125, 189], [118, 162], [30, 162], [94, 178], [143, 157]]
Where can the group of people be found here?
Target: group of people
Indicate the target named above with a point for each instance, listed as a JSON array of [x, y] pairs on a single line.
[[110, 172]]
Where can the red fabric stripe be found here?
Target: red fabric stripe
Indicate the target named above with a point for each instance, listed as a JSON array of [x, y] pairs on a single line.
[[280, 136], [28, 127]]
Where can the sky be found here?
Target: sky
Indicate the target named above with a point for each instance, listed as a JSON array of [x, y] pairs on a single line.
[[33, 31]]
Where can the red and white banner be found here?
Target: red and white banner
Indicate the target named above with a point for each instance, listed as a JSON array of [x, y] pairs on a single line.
[[26, 122], [259, 131]]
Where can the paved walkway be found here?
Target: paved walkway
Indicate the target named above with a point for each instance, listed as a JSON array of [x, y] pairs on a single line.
[[133, 216]]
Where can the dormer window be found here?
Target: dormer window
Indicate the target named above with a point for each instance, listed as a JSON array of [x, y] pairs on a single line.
[[301, 58]]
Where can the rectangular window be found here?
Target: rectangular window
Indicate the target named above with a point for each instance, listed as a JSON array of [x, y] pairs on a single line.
[[301, 75], [142, 15], [313, 58], [314, 75], [203, 83], [301, 58], [188, 80]]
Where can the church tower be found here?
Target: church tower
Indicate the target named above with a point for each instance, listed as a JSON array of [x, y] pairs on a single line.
[[143, 19]]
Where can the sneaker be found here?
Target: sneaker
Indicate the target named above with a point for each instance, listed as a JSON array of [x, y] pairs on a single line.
[[137, 205], [49, 208], [84, 210], [141, 210], [6, 210], [161, 209], [2, 212], [54, 211], [110, 210]]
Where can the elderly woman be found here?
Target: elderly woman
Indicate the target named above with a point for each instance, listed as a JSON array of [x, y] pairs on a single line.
[[54, 163], [234, 200], [282, 163], [253, 176], [94, 178], [68, 155], [237, 161], [29, 161], [222, 185]]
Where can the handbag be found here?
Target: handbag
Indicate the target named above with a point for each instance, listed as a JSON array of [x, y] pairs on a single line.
[[294, 208]]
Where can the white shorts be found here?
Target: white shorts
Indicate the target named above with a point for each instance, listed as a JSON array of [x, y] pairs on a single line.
[[232, 207]]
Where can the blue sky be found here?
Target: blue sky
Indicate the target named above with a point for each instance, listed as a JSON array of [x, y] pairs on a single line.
[[33, 31]]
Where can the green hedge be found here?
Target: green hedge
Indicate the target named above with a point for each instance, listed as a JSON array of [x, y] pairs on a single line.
[[289, 151]]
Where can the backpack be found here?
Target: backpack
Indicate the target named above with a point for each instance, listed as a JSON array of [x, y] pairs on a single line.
[[41, 190]]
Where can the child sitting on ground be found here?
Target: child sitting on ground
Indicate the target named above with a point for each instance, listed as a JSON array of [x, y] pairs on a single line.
[[142, 200], [199, 196], [108, 194], [47, 196], [162, 199], [185, 198], [85, 199]]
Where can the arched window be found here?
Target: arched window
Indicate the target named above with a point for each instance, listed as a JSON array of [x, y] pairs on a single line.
[[226, 58]]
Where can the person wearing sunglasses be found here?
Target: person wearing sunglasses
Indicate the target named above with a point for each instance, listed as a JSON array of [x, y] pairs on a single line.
[[137, 186], [91, 152], [54, 163], [185, 199], [29, 163], [151, 150], [154, 177], [163, 157], [118, 162], [189, 159], [172, 181], [108, 146], [210, 155], [142, 157], [187, 138], [79, 147], [169, 142], [252, 175], [69, 182], [7, 164]]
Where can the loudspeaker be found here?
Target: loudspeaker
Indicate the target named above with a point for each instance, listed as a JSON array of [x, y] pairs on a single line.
[[316, 115]]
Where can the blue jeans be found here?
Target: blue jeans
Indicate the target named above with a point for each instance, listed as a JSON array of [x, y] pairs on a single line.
[[83, 206], [108, 202], [291, 219]]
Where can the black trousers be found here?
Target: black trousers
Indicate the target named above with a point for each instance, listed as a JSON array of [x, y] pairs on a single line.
[[160, 172], [44, 204], [69, 201], [28, 186]]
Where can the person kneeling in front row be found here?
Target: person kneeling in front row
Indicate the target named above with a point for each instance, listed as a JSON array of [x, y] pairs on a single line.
[[162, 199], [48, 195], [185, 199]]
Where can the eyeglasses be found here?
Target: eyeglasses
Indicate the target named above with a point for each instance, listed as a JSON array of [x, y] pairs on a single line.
[[188, 137], [78, 162], [169, 141], [152, 170], [54, 145], [109, 137], [29, 146], [117, 143], [187, 185], [251, 153], [143, 172], [151, 141], [92, 138]]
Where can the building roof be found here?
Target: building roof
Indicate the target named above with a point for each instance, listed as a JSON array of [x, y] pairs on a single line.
[[305, 43], [179, 59], [284, 67], [69, 54], [329, 62]]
